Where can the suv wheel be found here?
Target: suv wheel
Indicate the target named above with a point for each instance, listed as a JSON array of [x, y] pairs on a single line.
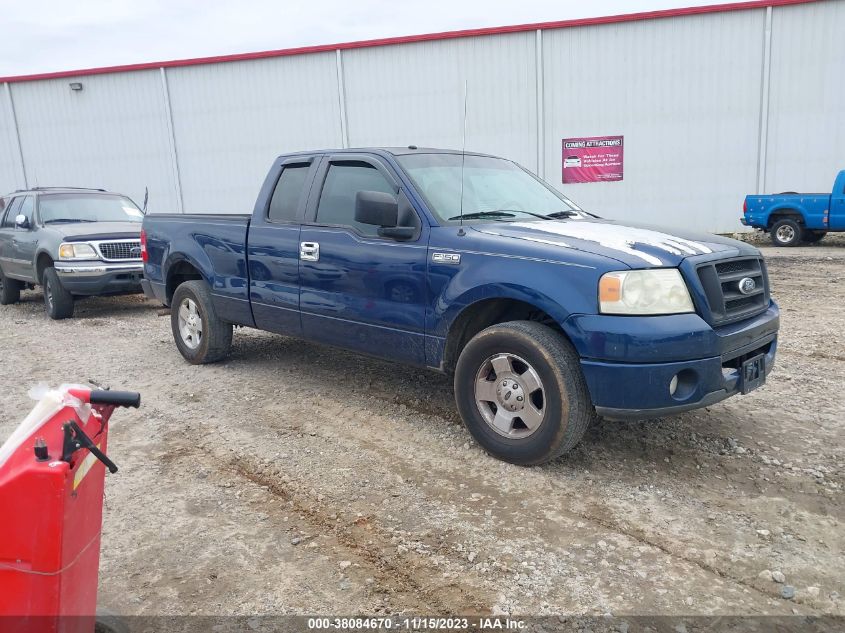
[[10, 290], [199, 334], [521, 393], [787, 232], [58, 302]]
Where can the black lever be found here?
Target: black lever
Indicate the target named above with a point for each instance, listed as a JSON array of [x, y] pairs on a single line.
[[76, 439], [117, 398]]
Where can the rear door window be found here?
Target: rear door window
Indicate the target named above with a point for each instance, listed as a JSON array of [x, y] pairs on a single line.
[[337, 199], [285, 201], [9, 219]]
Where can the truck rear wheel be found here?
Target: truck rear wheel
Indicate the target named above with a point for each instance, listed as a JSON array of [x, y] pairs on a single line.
[[199, 334], [58, 302], [10, 290], [521, 393], [787, 232]]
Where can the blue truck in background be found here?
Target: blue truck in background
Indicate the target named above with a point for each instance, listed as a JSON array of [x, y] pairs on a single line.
[[792, 218], [546, 315]]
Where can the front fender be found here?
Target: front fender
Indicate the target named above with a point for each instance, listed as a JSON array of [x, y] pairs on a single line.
[[558, 289], [474, 296]]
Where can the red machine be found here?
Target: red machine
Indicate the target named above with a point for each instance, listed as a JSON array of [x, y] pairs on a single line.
[[52, 471]]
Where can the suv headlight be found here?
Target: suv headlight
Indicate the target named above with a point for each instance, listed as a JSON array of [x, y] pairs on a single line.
[[655, 291], [77, 251]]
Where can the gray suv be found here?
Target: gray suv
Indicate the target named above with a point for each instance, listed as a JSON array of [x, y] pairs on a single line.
[[72, 242]]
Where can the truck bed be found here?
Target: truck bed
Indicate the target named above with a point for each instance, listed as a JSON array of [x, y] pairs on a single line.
[[214, 243]]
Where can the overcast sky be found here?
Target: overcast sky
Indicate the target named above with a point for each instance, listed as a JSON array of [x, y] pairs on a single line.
[[50, 35]]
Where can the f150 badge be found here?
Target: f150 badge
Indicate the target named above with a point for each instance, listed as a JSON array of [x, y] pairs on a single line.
[[446, 258]]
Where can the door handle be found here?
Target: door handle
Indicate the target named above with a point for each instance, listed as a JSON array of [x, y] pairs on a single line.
[[309, 251]]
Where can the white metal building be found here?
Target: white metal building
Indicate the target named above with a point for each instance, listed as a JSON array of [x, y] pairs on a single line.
[[713, 103]]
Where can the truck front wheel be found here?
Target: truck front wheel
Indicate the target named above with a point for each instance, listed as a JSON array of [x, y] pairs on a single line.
[[58, 302], [521, 393], [199, 334], [787, 232]]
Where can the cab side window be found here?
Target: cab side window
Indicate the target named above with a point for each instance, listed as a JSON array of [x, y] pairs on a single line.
[[285, 201], [337, 199], [26, 209]]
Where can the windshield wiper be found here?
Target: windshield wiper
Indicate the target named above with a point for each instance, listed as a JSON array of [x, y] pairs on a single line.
[[562, 214], [65, 220], [483, 214]]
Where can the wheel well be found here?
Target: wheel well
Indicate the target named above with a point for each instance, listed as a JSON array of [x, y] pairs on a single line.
[[780, 214], [178, 274], [43, 262], [482, 315]]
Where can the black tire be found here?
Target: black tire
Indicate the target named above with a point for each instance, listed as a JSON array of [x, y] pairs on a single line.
[[215, 337], [811, 237], [787, 232], [10, 290], [109, 622], [58, 302], [567, 410]]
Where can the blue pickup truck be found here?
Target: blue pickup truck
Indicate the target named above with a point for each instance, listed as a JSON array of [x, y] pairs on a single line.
[[546, 315], [792, 218]]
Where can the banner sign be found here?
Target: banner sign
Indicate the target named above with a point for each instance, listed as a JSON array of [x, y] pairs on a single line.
[[592, 159]]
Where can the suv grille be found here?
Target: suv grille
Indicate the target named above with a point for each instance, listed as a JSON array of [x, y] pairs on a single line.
[[721, 282], [121, 250]]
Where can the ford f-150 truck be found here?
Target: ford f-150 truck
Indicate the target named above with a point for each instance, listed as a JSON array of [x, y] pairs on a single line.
[[73, 242], [545, 314], [792, 218]]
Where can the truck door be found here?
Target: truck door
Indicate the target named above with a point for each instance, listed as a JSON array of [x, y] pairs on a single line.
[[359, 290], [836, 218], [7, 234], [24, 241], [273, 246]]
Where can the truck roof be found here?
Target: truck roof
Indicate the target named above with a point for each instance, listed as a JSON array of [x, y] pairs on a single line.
[[396, 151]]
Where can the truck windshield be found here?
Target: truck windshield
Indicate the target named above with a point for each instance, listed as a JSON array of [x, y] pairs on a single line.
[[494, 189], [87, 207]]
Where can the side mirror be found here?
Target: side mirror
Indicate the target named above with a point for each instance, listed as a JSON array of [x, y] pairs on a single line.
[[21, 222], [376, 208]]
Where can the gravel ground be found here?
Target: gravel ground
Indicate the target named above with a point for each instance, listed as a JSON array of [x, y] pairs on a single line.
[[301, 479]]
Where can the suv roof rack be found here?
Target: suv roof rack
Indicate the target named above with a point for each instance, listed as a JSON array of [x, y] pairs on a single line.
[[50, 188]]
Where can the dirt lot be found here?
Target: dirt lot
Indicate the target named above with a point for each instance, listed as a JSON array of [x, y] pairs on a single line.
[[300, 479]]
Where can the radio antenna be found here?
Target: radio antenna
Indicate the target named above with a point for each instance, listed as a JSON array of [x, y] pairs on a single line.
[[464, 148]]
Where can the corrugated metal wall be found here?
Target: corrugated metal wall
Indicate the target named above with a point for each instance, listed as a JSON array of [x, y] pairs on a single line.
[[806, 118], [685, 93], [10, 168], [231, 120], [414, 94], [707, 114], [111, 134]]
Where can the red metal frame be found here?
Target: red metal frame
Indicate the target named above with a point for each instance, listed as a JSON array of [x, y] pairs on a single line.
[[447, 35]]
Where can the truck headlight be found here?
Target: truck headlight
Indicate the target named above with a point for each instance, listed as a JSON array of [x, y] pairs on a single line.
[[655, 291], [77, 251]]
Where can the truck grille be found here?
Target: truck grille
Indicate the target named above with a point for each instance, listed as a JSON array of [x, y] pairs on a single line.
[[122, 249], [721, 282]]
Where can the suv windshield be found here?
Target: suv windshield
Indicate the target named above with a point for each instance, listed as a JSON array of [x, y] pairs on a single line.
[[87, 207], [494, 189]]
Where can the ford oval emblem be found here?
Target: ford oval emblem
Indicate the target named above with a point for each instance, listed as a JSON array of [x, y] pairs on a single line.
[[747, 285]]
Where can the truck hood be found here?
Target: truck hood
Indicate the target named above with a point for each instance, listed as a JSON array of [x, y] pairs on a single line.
[[638, 246], [84, 231]]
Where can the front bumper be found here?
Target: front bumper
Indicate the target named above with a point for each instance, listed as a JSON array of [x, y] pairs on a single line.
[[629, 363], [88, 278]]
